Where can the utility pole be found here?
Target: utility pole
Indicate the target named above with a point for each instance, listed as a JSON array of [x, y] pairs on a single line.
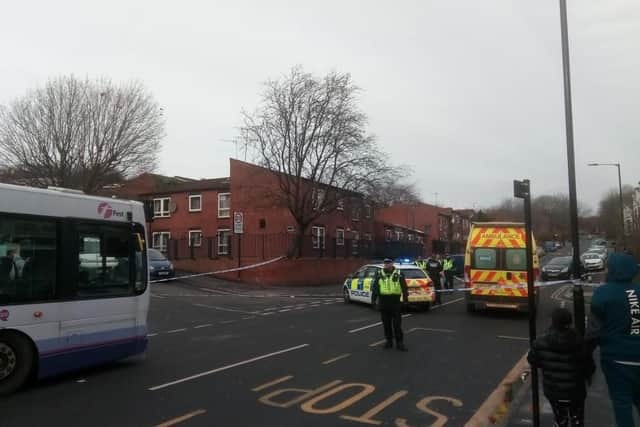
[[578, 293], [522, 190]]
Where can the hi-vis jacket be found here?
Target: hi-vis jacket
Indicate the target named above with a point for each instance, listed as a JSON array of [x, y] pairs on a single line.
[[388, 287]]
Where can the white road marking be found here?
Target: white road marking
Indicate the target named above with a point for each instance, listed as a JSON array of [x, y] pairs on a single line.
[[335, 359], [224, 368], [225, 322], [508, 337], [173, 331], [373, 325], [269, 313], [231, 310], [158, 296], [248, 317], [206, 325], [284, 311], [151, 335]]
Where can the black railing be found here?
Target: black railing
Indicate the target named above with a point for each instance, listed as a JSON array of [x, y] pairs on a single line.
[[268, 246]]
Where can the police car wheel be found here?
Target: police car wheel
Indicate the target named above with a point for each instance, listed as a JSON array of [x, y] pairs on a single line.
[[346, 296], [16, 362]]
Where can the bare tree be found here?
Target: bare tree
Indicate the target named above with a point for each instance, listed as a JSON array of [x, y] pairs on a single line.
[[80, 133], [310, 132], [609, 210], [392, 192]]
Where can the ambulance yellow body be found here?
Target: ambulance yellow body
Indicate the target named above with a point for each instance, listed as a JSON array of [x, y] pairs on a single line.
[[495, 266]]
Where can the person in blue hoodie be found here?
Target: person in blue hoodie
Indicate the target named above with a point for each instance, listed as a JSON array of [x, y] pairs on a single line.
[[615, 327]]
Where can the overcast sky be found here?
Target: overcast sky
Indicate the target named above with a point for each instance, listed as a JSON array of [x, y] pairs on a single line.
[[466, 92]]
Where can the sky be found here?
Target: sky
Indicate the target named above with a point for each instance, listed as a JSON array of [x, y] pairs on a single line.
[[468, 94]]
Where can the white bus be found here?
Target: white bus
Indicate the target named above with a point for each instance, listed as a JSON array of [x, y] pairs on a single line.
[[73, 282]]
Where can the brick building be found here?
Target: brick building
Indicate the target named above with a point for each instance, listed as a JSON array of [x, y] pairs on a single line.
[[442, 229], [193, 225]]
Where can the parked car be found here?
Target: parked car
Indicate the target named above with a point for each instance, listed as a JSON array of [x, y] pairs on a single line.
[[592, 261], [159, 266], [558, 268], [601, 252]]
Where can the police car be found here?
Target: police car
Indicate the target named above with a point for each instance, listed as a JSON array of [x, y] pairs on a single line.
[[359, 285]]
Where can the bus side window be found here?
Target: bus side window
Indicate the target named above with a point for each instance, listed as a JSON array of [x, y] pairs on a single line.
[[28, 254]]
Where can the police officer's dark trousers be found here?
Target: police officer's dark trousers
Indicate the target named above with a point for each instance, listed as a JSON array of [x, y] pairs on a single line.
[[390, 311], [448, 275], [437, 284]]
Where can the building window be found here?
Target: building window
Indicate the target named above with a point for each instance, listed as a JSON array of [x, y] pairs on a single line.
[[224, 240], [356, 214], [195, 238], [195, 203], [340, 236], [355, 243], [367, 211], [410, 237], [419, 239], [318, 237], [388, 235], [318, 198], [399, 235], [368, 236], [161, 207], [340, 205], [224, 205], [161, 240]]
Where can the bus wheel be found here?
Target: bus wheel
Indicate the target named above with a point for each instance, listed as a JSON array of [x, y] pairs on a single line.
[[16, 362]]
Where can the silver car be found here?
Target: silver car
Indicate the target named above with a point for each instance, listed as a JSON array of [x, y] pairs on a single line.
[[592, 261]]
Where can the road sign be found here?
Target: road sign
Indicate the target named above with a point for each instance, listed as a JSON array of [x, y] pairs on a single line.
[[238, 222]]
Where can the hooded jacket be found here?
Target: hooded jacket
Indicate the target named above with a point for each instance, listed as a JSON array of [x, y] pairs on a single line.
[[561, 355], [615, 310]]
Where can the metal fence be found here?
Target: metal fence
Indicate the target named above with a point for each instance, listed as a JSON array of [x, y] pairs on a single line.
[[268, 246]]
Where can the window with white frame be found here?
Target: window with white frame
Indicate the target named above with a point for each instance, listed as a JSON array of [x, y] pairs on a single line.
[[410, 237], [368, 236], [160, 240], [355, 242], [224, 241], [224, 205], [340, 236], [399, 235], [195, 238], [318, 198], [195, 203], [161, 207], [340, 205], [318, 237]]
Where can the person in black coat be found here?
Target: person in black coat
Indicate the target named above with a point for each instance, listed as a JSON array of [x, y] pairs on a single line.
[[566, 368]]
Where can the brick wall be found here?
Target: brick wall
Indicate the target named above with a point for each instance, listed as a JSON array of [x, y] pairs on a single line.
[[287, 272]]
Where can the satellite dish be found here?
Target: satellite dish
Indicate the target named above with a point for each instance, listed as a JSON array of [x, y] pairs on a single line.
[[173, 207]]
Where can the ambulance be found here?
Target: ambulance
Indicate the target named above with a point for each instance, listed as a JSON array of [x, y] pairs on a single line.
[[495, 267], [358, 286]]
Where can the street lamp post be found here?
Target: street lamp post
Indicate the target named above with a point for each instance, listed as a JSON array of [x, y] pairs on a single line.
[[624, 238]]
